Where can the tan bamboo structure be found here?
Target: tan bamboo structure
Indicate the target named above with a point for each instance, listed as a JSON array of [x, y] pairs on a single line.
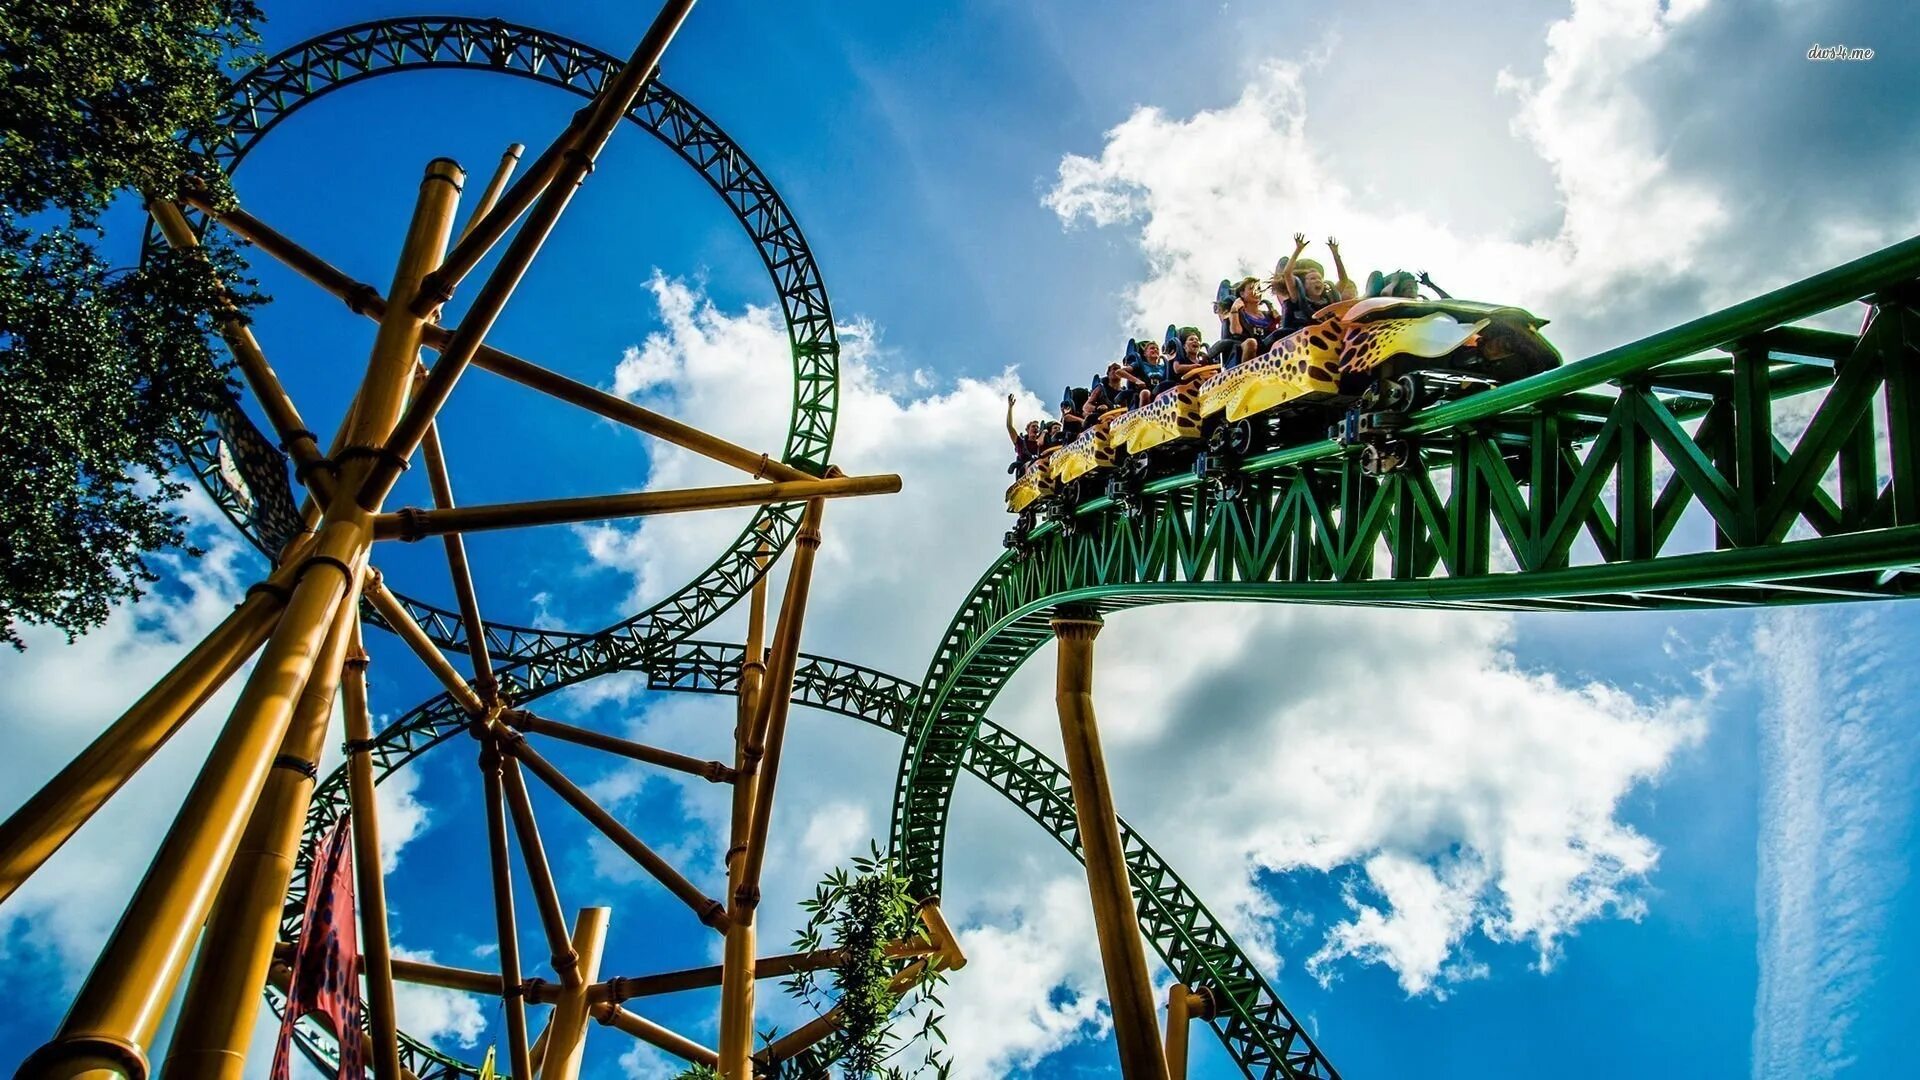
[[1122, 956], [1183, 1007], [221, 875]]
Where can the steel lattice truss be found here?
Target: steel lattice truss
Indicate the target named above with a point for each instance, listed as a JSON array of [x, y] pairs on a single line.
[[1613, 451], [248, 477], [1253, 1024]]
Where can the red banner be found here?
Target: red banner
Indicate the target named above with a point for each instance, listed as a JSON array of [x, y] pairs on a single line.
[[326, 961]]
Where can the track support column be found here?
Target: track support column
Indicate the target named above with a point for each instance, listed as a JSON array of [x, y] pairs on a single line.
[[1129, 986]]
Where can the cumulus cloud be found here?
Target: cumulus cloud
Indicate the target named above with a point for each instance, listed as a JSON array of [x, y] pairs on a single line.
[[433, 1013], [1651, 228]]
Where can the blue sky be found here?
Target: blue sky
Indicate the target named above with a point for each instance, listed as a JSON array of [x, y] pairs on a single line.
[[1683, 840]]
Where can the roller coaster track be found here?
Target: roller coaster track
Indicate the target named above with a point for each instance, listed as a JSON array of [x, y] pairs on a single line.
[[1252, 1023], [247, 475], [1491, 510]]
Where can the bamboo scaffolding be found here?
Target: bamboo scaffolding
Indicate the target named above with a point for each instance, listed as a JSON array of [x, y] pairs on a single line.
[[301, 443], [714, 771], [533, 853], [223, 993], [1183, 1007], [649, 1032], [710, 911], [768, 733], [413, 524], [740, 969], [364, 299], [32, 833], [811, 1032], [511, 1000], [615, 98], [390, 609], [370, 883], [626, 988], [566, 1043], [486, 228]]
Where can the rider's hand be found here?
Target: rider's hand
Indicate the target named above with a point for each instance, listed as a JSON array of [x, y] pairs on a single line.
[[1299, 241]]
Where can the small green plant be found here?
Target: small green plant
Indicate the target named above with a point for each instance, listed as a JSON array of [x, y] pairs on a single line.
[[860, 912], [699, 1072]]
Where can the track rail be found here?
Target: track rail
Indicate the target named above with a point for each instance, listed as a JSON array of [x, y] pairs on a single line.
[[1735, 460]]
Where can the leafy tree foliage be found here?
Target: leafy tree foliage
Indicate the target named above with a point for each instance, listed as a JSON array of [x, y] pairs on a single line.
[[861, 912], [103, 372]]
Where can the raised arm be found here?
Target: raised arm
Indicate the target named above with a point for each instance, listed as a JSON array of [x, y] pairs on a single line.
[[1343, 284], [1011, 434], [1286, 269], [1428, 282]]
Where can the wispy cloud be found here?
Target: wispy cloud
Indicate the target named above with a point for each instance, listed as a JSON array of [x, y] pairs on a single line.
[[1834, 807]]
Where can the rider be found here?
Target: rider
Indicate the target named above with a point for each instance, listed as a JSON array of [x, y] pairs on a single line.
[[1114, 390], [1303, 284], [1249, 320], [1154, 372], [1192, 362], [1026, 444]]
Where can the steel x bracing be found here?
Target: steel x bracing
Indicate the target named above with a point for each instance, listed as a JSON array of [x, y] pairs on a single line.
[[1735, 460], [248, 476], [1253, 1024]]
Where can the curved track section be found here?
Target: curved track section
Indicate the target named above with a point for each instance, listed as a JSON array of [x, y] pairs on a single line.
[[248, 477], [1253, 1024], [1800, 450]]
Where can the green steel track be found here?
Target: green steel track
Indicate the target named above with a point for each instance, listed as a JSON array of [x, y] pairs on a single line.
[[1253, 1024], [1735, 460]]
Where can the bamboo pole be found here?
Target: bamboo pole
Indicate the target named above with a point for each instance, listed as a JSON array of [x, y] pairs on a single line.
[[768, 734], [301, 444], [485, 229], [512, 1003], [451, 978], [649, 1032], [710, 911], [223, 994], [1183, 1007], [1129, 984], [533, 852], [797, 1040], [369, 875], [739, 969], [459, 570], [390, 609], [412, 524], [627, 988], [119, 1007], [615, 97], [364, 299], [714, 771], [566, 1045], [32, 833]]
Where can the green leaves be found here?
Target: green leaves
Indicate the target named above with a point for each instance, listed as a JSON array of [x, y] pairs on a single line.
[[103, 373], [861, 912]]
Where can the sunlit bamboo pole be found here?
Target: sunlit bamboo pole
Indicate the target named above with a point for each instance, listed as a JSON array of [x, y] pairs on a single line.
[[626, 988], [32, 833], [512, 1003], [364, 299], [533, 852], [649, 1032], [223, 994], [714, 771], [442, 485], [119, 1007], [485, 229], [615, 97], [710, 911], [768, 734], [390, 609], [300, 443], [370, 882], [412, 524], [566, 1043], [1183, 1007], [797, 1040], [1129, 984], [739, 968]]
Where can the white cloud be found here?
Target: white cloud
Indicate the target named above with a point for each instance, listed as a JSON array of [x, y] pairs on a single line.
[[1834, 801], [1639, 241], [433, 1013]]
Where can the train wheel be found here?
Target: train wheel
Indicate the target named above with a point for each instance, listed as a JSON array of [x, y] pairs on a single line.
[[1240, 437], [1232, 486], [1379, 459]]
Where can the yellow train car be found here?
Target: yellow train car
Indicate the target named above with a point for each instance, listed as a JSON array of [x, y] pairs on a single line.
[[1303, 367], [1035, 484], [1092, 450], [1173, 416]]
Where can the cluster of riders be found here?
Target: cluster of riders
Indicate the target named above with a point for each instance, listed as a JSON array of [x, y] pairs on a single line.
[[1250, 324]]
